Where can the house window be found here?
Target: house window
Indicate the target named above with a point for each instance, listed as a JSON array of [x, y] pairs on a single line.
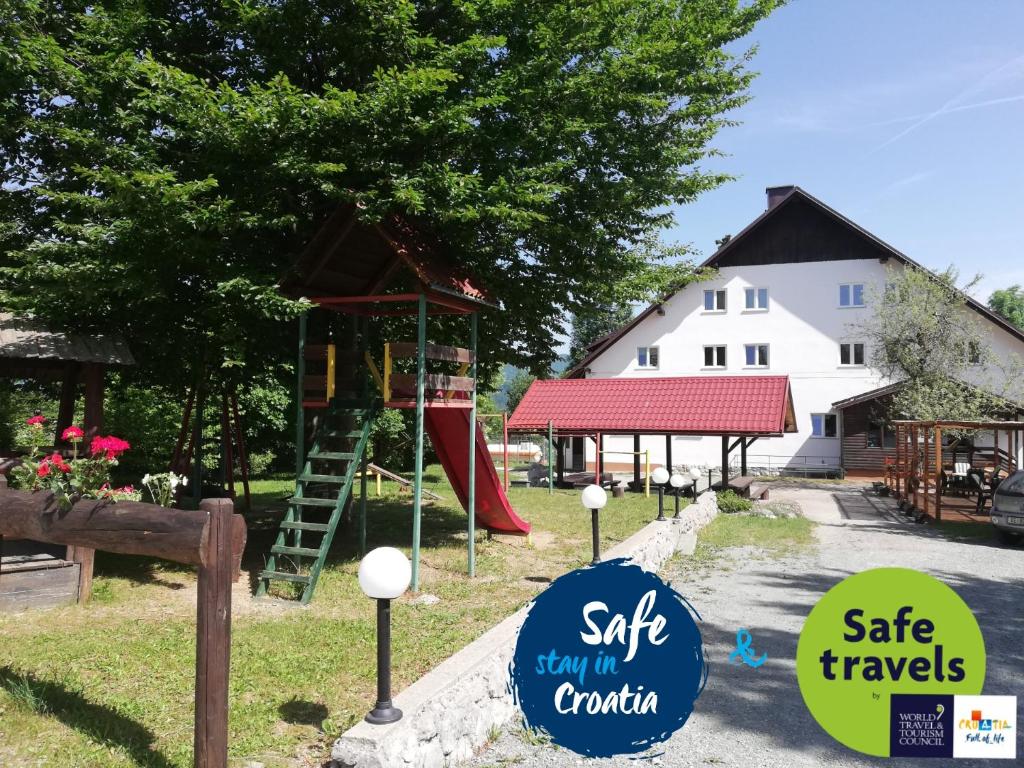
[[851, 354], [714, 357], [880, 434], [851, 295], [646, 357], [756, 298], [714, 301], [823, 425], [756, 355]]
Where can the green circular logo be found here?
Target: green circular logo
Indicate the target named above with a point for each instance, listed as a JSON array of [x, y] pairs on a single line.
[[880, 632]]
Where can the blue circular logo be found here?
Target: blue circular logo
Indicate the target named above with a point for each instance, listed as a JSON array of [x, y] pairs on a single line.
[[609, 660]]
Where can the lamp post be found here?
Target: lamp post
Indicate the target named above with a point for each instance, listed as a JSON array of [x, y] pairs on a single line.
[[676, 481], [660, 477], [384, 574], [594, 498], [695, 475]]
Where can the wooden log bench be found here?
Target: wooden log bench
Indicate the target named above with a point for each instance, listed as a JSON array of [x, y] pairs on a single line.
[[745, 487]]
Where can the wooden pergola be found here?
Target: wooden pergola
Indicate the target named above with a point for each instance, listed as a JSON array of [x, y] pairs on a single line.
[[915, 477]]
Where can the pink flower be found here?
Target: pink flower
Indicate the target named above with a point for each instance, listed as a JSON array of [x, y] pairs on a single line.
[[36, 421], [44, 468], [111, 447], [73, 434]]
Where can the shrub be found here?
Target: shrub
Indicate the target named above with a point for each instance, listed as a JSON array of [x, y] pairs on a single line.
[[730, 501]]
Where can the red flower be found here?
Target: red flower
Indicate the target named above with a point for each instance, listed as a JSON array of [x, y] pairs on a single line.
[[72, 434], [44, 468], [111, 447], [58, 462], [36, 421]]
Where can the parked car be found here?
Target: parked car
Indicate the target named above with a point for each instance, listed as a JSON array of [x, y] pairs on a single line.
[[1008, 508]]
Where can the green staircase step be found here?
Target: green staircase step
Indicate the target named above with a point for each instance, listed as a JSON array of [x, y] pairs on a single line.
[[343, 433], [297, 551], [310, 502], [296, 525], [311, 478], [332, 456], [295, 578]]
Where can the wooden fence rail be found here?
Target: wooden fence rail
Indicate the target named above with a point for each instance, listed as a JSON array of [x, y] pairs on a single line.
[[211, 537]]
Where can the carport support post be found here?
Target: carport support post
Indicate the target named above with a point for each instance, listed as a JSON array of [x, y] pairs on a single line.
[[417, 486], [551, 456], [743, 456], [560, 460], [636, 460], [938, 474], [725, 462], [599, 460], [668, 453], [471, 492]]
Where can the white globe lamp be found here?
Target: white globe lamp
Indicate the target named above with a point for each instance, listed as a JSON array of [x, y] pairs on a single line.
[[594, 498], [384, 574]]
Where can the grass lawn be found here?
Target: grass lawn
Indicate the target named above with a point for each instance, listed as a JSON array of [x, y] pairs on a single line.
[[111, 683], [771, 537]]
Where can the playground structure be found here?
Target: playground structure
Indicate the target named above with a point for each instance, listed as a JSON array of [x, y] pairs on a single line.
[[364, 280]]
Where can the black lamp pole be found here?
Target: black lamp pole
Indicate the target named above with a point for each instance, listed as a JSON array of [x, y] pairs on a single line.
[[384, 711], [676, 515], [597, 537], [661, 503]]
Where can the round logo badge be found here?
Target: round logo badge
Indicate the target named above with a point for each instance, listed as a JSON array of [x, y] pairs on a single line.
[[881, 642], [609, 660]]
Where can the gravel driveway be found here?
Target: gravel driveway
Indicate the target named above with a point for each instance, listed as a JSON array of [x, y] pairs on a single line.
[[756, 717]]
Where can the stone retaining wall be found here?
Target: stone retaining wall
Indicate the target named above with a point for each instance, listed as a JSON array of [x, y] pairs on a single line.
[[450, 712]]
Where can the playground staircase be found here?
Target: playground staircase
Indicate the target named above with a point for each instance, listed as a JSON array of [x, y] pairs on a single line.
[[322, 490]]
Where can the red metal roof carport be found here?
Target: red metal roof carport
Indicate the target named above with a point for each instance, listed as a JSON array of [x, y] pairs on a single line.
[[740, 407]]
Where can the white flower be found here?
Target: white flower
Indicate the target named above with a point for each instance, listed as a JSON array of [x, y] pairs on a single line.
[[184, 481], [146, 479]]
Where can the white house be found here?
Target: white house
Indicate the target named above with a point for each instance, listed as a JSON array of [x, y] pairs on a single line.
[[788, 295]]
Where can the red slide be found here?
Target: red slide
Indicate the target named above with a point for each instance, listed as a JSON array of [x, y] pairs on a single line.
[[449, 432]]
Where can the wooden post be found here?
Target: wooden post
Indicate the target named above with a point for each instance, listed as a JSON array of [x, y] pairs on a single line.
[[243, 454], [560, 460], [938, 474], [668, 453], [300, 414], [362, 501], [925, 471], [915, 462], [213, 638], [599, 445], [743, 456], [68, 396], [725, 462], [93, 376]]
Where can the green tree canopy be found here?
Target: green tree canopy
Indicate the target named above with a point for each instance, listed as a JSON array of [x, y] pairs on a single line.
[[922, 333], [1009, 302], [164, 162], [596, 323]]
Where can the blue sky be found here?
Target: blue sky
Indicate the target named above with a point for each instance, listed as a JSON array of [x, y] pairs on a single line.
[[905, 115]]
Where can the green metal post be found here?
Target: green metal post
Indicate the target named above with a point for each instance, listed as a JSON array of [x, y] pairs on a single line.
[[362, 504], [417, 492], [471, 493], [551, 474], [300, 414]]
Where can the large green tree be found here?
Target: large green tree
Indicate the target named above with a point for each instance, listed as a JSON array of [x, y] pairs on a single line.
[[163, 162], [922, 332], [1009, 302]]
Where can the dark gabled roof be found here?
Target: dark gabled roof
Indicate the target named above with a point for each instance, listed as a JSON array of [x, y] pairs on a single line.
[[874, 247], [26, 339], [350, 257], [674, 405], [866, 397]]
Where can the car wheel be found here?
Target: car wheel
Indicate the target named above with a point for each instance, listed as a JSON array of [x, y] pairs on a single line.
[[1006, 537]]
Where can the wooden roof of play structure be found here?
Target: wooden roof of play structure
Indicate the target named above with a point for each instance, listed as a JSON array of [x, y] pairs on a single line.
[[760, 406], [350, 263], [30, 349]]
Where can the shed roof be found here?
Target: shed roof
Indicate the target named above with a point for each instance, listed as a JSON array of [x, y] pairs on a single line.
[[678, 405], [27, 339]]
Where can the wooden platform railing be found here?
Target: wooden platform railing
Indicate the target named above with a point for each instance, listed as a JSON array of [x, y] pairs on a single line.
[[401, 387], [211, 537]]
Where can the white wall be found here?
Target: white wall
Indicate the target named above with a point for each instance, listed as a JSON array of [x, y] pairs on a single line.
[[803, 326]]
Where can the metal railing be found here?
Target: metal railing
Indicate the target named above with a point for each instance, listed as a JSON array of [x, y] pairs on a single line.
[[800, 466]]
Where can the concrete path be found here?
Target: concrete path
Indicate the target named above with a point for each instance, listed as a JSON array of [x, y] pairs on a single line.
[[756, 717]]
